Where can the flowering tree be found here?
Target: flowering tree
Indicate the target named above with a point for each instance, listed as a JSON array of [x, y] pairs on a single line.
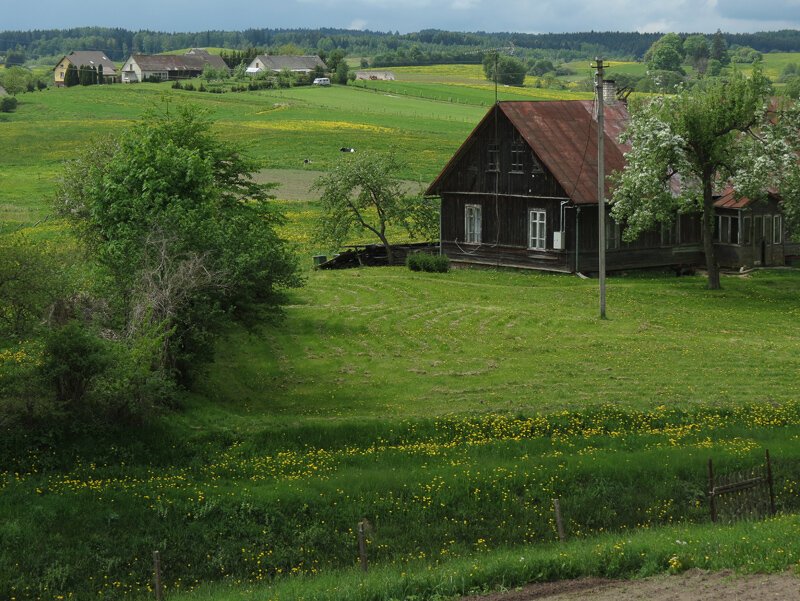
[[363, 194], [685, 145]]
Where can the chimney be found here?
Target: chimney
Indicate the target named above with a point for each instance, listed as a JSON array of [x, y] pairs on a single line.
[[609, 92]]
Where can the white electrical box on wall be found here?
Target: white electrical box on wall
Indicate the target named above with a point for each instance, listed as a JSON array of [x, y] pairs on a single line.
[[558, 240]]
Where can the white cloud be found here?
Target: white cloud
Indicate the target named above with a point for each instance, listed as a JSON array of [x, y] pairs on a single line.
[[464, 4], [413, 15], [655, 27], [358, 24]]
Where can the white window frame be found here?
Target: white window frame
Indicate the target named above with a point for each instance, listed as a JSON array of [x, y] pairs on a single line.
[[537, 229], [472, 216], [777, 230], [493, 158], [517, 154], [725, 225], [668, 233], [744, 231], [612, 233]]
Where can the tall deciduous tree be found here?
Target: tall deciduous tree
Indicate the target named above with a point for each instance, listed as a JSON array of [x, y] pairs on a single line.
[[697, 51], [363, 193], [666, 54], [508, 70], [685, 145], [172, 215]]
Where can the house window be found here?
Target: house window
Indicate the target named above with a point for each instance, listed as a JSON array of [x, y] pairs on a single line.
[[612, 233], [537, 229], [777, 237], [517, 154], [472, 223], [758, 234], [668, 237], [744, 232], [727, 229], [493, 158], [768, 228], [536, 166]]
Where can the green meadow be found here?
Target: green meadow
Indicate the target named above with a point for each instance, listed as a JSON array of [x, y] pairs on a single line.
[[448, 410], [281, 128]]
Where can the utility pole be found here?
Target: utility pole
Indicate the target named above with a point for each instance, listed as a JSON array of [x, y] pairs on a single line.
[[601, 185]]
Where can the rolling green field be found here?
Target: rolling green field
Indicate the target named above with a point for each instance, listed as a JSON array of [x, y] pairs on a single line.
[[448, 410], [280, 128]]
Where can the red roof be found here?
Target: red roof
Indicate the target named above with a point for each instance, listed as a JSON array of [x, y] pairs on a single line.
[[728, 200], [563, 135]]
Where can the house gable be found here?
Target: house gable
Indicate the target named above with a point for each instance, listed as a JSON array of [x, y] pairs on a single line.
[[561, 136], [88, 58], [497, 159], [277, 63]]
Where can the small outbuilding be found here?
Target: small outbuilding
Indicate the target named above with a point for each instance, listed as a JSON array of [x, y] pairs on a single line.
[[165, 67], [275, 63]]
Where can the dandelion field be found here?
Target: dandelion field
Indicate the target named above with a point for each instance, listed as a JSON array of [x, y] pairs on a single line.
[[448, 410], [372, 400]]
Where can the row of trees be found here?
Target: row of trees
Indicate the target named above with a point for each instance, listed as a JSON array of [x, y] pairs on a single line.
[[83, 75], [427, 46]]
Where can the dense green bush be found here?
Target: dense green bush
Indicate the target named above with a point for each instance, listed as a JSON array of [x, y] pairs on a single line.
[[172, 216], [427, 262], [8, 104]]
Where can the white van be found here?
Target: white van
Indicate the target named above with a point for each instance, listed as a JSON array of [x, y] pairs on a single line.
[[322, 81]]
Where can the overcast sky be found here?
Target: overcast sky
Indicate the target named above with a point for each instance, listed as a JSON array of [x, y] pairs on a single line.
[[531, 16]]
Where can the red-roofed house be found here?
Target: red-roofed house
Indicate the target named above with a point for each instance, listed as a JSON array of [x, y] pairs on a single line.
[[521, 191]]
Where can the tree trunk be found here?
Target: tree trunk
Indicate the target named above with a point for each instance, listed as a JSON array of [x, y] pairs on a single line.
[[388, 247], [708, 235]]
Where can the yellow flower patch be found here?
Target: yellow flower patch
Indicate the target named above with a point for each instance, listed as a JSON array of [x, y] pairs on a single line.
[[316, 126]]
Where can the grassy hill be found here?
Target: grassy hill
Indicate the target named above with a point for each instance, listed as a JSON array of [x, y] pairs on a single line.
[[448, 410], [281, 128]]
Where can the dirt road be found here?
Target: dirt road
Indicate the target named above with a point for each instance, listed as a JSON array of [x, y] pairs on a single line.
[[693, 585]]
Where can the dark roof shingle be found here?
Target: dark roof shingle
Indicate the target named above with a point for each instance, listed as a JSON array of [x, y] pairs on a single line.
[[92, 58], [563, 135]]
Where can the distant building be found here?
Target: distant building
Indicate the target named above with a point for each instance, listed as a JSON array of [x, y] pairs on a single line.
[[87, 58], [164, 67], [277, 63], [376, 75]]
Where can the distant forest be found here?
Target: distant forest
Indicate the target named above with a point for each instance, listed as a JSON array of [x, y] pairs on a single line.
[[429, 46]]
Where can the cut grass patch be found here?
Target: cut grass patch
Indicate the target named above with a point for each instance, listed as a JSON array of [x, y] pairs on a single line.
[[477, 340]]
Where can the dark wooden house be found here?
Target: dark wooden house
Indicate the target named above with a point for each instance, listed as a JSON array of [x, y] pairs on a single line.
[[752, 233], [521, 191]]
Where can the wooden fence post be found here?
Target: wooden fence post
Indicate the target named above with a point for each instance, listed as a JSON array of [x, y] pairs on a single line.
[[769, 482], [157, 576], [362, 545], [711, 499], [559, 522]]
